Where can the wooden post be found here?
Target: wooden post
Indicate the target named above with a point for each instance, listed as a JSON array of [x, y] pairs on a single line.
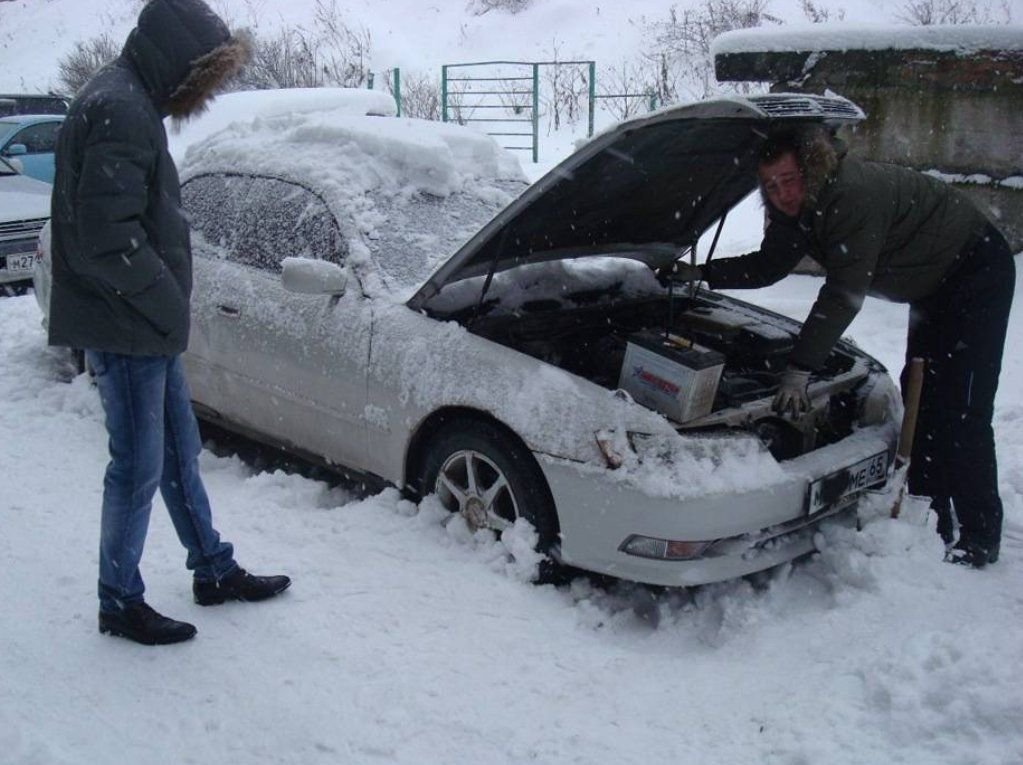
[[911, 409]]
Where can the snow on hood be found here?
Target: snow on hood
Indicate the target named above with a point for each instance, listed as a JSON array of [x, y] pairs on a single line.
[[23, 198]]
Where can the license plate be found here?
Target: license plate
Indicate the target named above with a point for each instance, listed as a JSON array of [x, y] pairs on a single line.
[[21, 262], [849, 480]]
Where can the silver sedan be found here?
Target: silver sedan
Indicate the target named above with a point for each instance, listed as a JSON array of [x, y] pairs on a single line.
[[390, 298]]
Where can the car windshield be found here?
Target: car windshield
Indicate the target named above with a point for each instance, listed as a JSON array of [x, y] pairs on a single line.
[[416, 234], [6, 168]]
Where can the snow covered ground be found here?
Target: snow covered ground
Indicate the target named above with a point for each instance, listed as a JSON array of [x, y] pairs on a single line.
[[404, 640]]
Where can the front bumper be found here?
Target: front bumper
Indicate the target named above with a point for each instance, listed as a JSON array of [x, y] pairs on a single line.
[[752, 530]]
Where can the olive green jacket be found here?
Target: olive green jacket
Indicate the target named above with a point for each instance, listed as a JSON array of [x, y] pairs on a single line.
[[876, 229]]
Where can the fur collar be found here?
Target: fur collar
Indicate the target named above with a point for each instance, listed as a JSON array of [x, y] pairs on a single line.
[[206, 76]]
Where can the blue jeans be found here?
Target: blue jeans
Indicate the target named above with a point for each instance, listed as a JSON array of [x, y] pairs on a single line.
[[154, 442]]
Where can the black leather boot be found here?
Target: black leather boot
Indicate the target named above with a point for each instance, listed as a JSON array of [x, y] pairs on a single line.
[[239, 585], [968, 553], [142, 624]]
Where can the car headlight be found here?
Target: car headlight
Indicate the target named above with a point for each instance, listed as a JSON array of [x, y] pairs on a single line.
[[663, 549], [880, 401], [618, 448]]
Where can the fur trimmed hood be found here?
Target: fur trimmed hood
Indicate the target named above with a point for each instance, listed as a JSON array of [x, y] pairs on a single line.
[[819, 156], [183, 52]]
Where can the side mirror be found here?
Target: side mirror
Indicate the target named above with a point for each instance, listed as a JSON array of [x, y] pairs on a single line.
[[16, 150], [313, 277]]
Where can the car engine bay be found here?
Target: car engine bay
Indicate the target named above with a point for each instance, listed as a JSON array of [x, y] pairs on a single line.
[[587, 332]]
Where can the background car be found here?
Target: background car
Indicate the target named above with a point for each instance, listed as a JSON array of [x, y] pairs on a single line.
[[32, 103], [31, 139], [24, 208], [390, 298]]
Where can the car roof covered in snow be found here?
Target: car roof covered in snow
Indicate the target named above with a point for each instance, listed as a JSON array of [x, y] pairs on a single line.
[[407, 193]]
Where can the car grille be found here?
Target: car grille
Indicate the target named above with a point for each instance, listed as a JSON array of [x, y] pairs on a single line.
[[805, 106], [21, 229]]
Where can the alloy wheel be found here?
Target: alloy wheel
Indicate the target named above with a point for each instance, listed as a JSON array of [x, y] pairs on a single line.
[[472, 485]]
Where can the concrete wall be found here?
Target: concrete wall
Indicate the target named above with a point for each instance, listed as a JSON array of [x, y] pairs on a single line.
[[959, 115]]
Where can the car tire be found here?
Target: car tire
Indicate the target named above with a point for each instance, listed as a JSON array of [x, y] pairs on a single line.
[[483, 473], [15, 289]]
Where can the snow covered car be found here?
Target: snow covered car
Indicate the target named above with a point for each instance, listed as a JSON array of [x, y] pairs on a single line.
[[24, 208], [31, 139], [389, 297]]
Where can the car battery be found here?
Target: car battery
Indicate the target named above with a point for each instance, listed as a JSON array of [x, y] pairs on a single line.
[[671, 375]]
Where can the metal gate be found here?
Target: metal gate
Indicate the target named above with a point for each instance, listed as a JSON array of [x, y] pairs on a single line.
[[505, 97]]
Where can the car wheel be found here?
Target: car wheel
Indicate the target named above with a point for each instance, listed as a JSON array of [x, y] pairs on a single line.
[[480, 472], [14, 289]]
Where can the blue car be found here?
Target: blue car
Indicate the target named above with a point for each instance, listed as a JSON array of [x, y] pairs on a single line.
[[30, 139]]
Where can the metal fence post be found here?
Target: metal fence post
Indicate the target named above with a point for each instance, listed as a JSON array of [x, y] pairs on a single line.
[[593, 96], [536, 113], [397, 89], [444, 93]]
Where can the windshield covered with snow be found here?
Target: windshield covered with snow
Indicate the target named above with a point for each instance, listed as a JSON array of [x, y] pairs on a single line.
[[416, 233]]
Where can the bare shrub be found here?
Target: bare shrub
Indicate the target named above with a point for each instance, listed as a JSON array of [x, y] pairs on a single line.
[[479, 7], [285, 61], [929, 12], [458, 109], [345, 50], [420, 95], [87, 58], [679, 48], [818, 14], [623, 90], [564, 91], [332, 54], [514, 98]]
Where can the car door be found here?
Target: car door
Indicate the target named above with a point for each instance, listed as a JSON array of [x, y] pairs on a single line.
[[289, 367], [39, 142]]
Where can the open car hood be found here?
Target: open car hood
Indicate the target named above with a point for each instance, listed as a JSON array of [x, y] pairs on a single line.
[[645, 189]]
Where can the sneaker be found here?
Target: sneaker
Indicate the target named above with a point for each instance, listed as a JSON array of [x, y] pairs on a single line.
[[239, 585], [139, 622], [967, 553]]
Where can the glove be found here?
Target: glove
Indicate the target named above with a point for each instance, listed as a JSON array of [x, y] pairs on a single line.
[[792, 397], [678, 271]]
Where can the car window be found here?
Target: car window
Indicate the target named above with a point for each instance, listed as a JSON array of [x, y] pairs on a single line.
[[258, 221], [38, 139]]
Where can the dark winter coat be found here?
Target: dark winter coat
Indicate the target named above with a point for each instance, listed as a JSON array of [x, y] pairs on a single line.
[[122, 263], [876, 229]]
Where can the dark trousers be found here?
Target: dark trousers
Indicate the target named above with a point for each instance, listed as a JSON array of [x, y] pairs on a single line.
[[960, 333]]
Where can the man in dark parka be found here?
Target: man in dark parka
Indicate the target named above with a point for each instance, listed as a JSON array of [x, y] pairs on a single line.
[[122, 277], [902, 235]]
